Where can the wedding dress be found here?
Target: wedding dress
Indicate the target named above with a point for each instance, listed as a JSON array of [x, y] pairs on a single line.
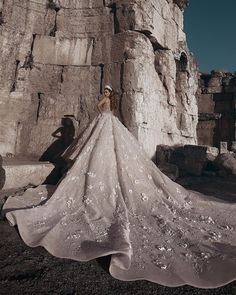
[[115, 201]]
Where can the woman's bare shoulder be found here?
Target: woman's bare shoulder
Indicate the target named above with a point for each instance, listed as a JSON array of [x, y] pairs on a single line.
[[102, 97]]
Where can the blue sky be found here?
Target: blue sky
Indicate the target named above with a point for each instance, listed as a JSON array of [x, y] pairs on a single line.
[[210, 26]]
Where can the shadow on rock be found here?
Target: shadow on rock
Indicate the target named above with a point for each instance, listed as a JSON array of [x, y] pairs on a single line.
[[65, 136]]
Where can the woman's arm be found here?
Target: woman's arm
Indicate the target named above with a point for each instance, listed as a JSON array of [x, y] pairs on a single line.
[[55, 133]]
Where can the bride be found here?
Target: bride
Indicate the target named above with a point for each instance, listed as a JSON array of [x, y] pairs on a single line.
[[115, 201]]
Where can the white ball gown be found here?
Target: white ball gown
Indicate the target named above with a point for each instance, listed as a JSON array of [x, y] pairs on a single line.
[[115, 201]]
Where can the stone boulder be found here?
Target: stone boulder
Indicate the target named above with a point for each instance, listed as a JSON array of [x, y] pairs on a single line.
[[193, 159], [16, 174], [163, 158], [233, 148], [197, 157], [226, 162], [163, 153], [188, 159]]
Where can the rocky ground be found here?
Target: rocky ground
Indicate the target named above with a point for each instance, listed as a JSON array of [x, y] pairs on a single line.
[[27, 270]]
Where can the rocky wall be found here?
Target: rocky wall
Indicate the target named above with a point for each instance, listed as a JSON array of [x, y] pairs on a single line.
[[217, 108], [57, 55]]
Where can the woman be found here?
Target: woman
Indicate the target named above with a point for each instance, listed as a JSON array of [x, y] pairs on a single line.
[[115, 201], [107, 101]]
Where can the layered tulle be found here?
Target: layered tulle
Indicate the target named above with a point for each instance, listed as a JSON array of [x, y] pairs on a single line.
[[115, 201]]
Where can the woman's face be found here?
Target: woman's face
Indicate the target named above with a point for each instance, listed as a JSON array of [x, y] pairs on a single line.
[[107, 93]]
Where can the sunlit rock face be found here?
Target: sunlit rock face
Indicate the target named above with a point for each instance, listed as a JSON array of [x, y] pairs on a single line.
[[58, 54]]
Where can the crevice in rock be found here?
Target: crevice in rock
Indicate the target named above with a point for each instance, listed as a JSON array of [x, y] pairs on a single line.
[[157, 66], [115, 18], [209, 116], [13, 88], [61, 78], [29, 59], [205, 78], [182, 63], [81, 105], [101, 77], [182, 4], [1, 19], [155, 44], [54, 29], [122, 90], [1, 13], [89, 44], [32, 44], [51, 4], [166, 88], [40, 97]]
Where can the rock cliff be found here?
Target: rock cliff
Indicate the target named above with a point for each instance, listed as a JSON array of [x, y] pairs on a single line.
[[57, 55]]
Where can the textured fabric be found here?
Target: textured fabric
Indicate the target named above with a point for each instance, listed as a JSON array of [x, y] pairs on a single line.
[[115, 201]]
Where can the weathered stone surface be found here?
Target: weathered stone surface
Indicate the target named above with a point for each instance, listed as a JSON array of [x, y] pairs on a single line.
[[171, 170], [166, 67], [19, 174], [58, 51], [57, 55], [74, 4], [205, 132], [216, 89], [226, 162], [163, 154], [8, 135], [208, 116], [194, 158], [215, 81], [223, 147], [206, 103], [217, 101], [84, 21], [233, 147], [189, 159]]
